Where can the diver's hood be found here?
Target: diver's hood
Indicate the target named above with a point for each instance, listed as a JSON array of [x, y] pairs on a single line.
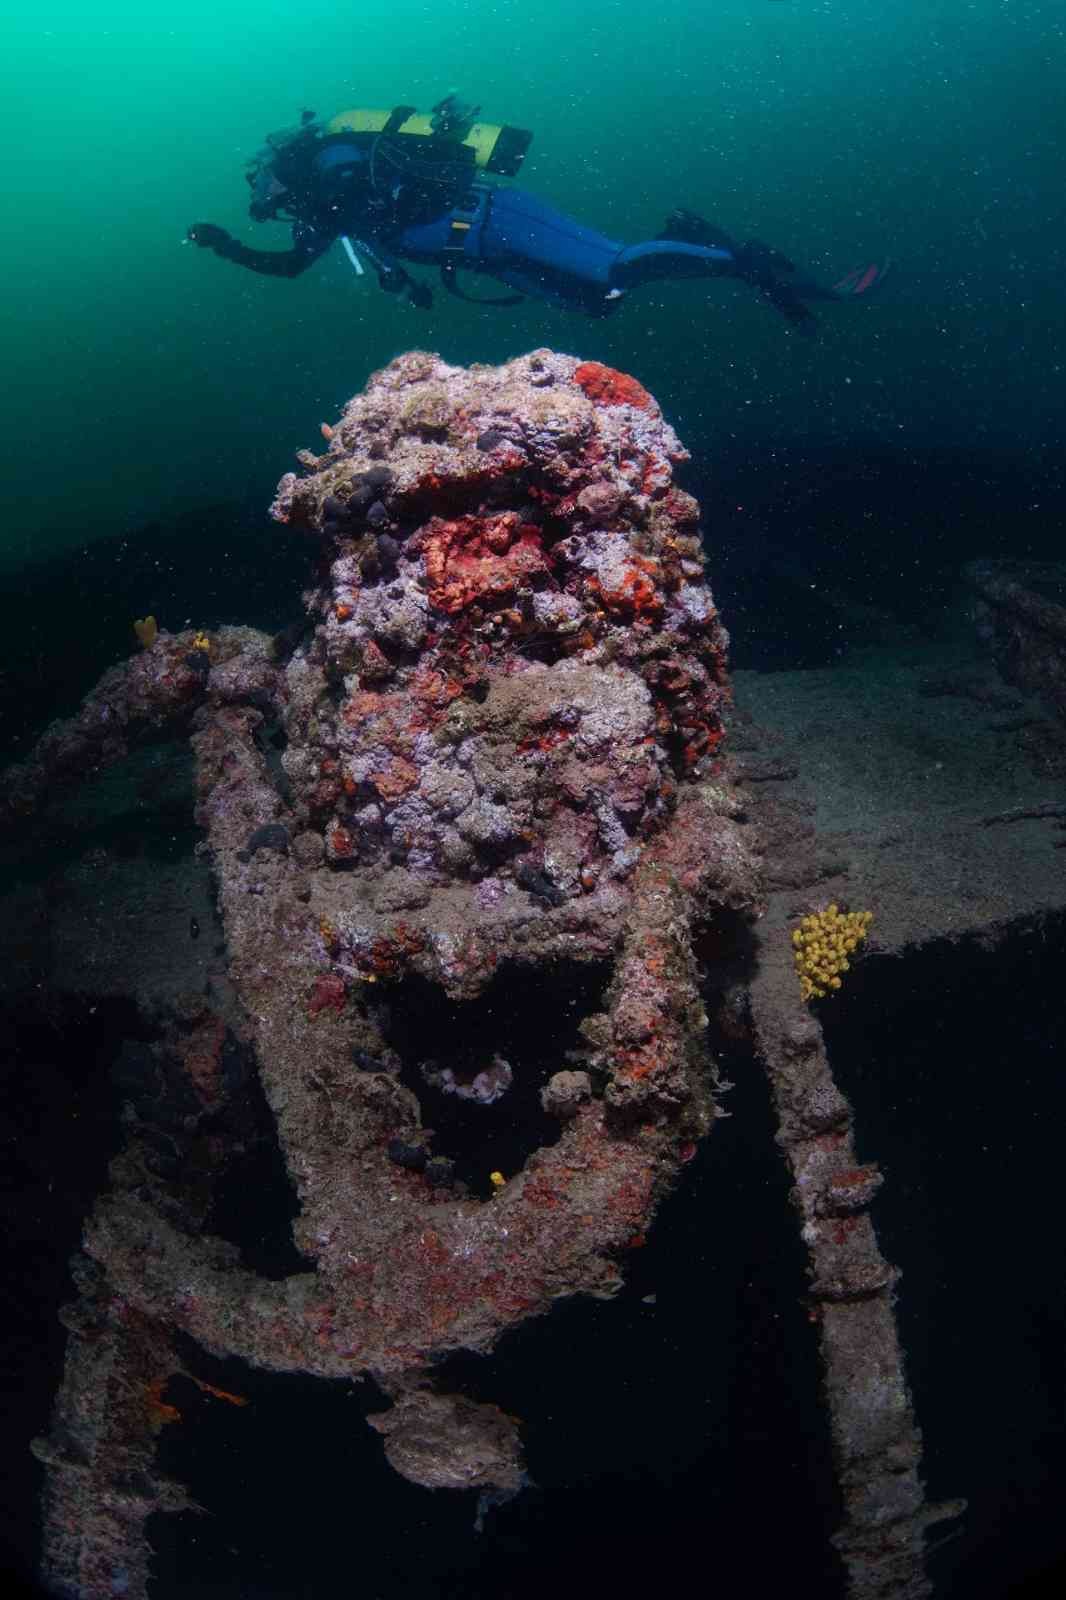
[[274, 169]]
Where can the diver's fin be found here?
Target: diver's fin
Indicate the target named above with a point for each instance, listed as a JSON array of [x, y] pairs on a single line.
[[688, 227], [784, 298], [767, 256], [788, 298], [862, 279]]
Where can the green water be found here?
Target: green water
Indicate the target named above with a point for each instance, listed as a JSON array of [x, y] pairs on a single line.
[[144, 377]]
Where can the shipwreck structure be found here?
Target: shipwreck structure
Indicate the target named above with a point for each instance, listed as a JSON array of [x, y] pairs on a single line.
[[492, 755]]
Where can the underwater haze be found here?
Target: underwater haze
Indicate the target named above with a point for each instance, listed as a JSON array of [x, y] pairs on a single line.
[[236, 981], [144, 378]]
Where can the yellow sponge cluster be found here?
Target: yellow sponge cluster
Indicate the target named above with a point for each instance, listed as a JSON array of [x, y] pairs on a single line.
[[821, 946]]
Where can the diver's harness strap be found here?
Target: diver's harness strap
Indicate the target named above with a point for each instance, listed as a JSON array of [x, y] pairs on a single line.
[[469, 215], [397, 117]]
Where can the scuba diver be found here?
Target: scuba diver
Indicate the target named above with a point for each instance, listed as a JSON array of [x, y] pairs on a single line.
[[397, 187]]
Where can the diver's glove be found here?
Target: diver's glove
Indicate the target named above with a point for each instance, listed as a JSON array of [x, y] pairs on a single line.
[[395, 280], [210, 237]]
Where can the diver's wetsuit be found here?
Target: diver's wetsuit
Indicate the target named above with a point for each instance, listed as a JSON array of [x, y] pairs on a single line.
[[354, 188]]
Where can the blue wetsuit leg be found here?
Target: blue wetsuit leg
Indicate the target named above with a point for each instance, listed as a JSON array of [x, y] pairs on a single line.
[[531, 247], [670, 258], [518, 240]]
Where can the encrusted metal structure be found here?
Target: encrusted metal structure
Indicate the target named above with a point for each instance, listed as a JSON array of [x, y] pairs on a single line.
[[491, 753]]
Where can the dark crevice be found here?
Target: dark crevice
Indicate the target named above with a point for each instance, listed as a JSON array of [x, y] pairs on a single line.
[[272, 741], [724, 946], [253, 1204], [528, 1018], [173, 1143], [951, 1058], [60, 1130]]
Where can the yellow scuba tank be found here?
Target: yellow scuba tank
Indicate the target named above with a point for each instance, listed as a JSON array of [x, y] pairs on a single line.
[[494, 147]]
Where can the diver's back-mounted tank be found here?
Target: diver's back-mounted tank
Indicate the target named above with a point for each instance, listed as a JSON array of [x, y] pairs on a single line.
[[493, 147], [435, 148]]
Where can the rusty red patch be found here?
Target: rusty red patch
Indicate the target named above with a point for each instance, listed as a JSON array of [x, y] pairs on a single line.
[[482, 559], [395, 780], [635, 593], [548, 740], [609, 387], [327, 994]]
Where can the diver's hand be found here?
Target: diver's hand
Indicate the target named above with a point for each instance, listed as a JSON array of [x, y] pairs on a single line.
[[208, 235]]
